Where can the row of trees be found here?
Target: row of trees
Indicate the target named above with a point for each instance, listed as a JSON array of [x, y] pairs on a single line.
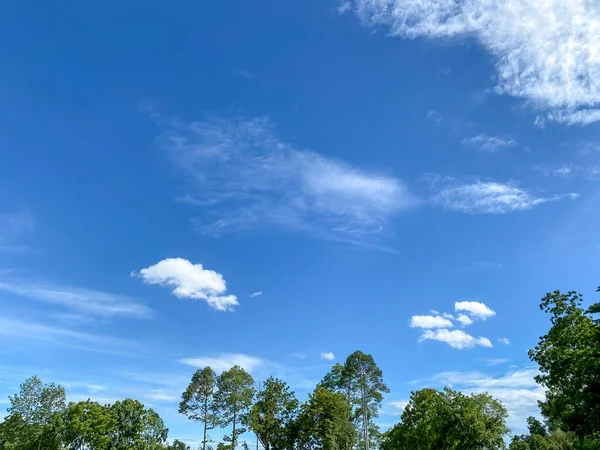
[[339, 414]]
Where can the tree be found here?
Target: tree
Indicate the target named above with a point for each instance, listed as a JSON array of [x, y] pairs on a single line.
[[235, 391], [33, 421], [136, 427], [87, 424], [197, 401], [540, 438], [361, 381], [37, 403], [325, 422], [272, 415], [449, 420], [568, 357], [178, 445]]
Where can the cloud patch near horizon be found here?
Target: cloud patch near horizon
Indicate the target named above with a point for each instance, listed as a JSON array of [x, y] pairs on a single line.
[[547, 53]]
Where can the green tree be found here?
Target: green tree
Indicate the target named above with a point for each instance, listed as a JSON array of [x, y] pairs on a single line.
[[178, 445], [235, 391], [568, 356], [449, 420], [325, 422], [37, 403], [197, 401], [272, 415], [136, 427], [87, 424], [540, 438], [361, 381]]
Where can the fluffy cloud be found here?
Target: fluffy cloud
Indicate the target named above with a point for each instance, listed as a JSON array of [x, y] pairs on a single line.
[[475, 309], [547, 53], [87, 302], [504, 341], [430, 322], [399, 404], [329, 356], [190, 281], [457, 339], [464, 320], [244, 177], [225, 361], [487, 197], [487, 143]]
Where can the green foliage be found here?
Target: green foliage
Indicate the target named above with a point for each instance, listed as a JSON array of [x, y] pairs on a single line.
[[325, 422], [36, 403], [272, 415], [449, 420], [197, 401], [88, 425], [235, 391], [178, 445], [136, 427], [569, 361]]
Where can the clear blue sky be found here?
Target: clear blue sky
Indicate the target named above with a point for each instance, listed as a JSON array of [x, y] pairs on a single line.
[[277, 184]]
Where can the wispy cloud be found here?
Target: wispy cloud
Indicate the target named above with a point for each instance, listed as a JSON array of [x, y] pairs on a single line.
[[256, 294], [490, 144], [243, 176], [190, 281], [244, 73], [547, 53], [504, 341], [487, 197], [329, 356], [85, 301], [495, 361], [13, 226], [457, 339], [225, 361]]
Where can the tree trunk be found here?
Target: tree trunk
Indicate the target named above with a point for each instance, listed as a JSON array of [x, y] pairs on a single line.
[[365, 414], [233, 438], [205, 420]]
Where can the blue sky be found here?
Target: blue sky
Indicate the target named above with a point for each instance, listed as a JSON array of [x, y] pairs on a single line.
[[276, 184]]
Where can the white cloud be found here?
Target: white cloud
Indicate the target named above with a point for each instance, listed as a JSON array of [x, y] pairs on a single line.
[[245, 177], [85, 301], [430, 322], [547, 53], [464, 320], [344, 7], [457, 339], [225, 361], [298, 355], [475, 309], [13, 226], [256, 294], [190, 281], [487, 143], [517, 390], [399, 404], [329, 356], [487, 197], [495, 361], [504, 341]]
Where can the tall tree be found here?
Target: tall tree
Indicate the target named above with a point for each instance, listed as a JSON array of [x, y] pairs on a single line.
[[272, 415], [325, 422], [568, 356], [541, 438], [235, 391], [449, 420], [197, 402], [364, 380], [136, 427], [87, 424], [37, 403]]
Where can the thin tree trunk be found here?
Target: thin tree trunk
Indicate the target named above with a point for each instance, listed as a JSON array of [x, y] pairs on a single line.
[[233, 439], [365, 415], [205, 420]]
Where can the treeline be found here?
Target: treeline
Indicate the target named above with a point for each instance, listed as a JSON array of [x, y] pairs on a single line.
[[340, 413]]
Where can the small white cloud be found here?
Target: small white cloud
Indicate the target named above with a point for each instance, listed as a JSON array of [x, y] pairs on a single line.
[[495, 361], [504, 341], [457, 339], [448, 316], [430, 322], [190, 281], [475, 309], [487, 197], [161, 396], [399, 404], [344, 7], [434, 312], [298, 355], [256, 294], [435, 117], [224, 361], [328, 356], [490, 144], [464, 320]]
